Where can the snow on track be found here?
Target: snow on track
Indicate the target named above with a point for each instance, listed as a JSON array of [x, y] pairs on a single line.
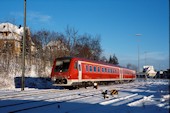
[[147, 96], [141, 101], [118, 99]]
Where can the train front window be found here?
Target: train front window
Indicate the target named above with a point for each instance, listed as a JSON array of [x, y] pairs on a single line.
[[62, 65]]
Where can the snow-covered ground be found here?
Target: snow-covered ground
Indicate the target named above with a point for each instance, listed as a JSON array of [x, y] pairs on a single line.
[[141, 96]]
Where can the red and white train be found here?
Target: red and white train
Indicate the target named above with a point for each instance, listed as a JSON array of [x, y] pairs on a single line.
[[72, 71]]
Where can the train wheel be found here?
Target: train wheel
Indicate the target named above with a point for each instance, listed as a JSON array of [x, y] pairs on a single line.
[[75, 87], [84, 84]]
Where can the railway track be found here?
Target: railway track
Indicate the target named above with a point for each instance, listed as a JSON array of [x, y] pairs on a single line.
[[52, 101], [25, 102], [55, 103], [129, 98], [18, 94], [27, 93]]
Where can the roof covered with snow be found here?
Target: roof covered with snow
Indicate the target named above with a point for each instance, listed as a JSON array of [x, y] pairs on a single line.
[[11, 31], [57, 44], [8, 27]]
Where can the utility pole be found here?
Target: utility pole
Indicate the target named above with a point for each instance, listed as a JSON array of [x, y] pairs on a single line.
[[145, 57], [138, 54], [23, 50]]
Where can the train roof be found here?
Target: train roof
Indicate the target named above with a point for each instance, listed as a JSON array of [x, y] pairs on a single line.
[[94, 61]]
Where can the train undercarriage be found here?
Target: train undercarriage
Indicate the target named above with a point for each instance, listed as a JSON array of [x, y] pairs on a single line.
[[63, 82]]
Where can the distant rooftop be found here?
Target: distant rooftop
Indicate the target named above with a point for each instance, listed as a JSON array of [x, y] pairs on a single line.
[[12, 31], [8, 27]]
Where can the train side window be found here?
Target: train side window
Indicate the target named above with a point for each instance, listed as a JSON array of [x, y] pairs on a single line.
[[87, 68], [106, 70], [113, 70], [90, 68], [94, 68], [79, 67], [102, 69], [98, 69]]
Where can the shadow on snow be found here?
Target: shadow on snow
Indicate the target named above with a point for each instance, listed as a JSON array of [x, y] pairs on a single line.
[[73, 107], [35, 82]]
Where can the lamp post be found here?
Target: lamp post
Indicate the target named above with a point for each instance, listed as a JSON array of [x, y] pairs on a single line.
[[138, 54], [145, 57], [23, 50]]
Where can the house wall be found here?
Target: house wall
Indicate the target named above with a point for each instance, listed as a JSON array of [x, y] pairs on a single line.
[[12, 46], [11, 39]]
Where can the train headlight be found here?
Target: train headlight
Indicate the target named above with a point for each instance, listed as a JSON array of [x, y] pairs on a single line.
[[53, 78]]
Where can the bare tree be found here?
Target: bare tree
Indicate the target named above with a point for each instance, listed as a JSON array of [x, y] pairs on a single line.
[[58, 47], [82, 47], [50, 45], [95, 48], [41, 39], [131, 66], [88, 47], [72, 36]]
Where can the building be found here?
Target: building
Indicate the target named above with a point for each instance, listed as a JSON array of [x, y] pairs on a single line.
[[149, 71], [58, 45], [11, 39], [54, 49], [163, 74], [58, 48]]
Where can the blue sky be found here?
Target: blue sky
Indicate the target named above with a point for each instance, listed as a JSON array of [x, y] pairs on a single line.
[[116, 21]]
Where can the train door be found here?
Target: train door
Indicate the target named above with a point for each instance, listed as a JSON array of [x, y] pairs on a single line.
[[79, 71], [121, 73]]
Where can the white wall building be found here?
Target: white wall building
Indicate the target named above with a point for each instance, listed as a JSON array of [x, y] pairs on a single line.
[[149, 70], [11, 38]]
